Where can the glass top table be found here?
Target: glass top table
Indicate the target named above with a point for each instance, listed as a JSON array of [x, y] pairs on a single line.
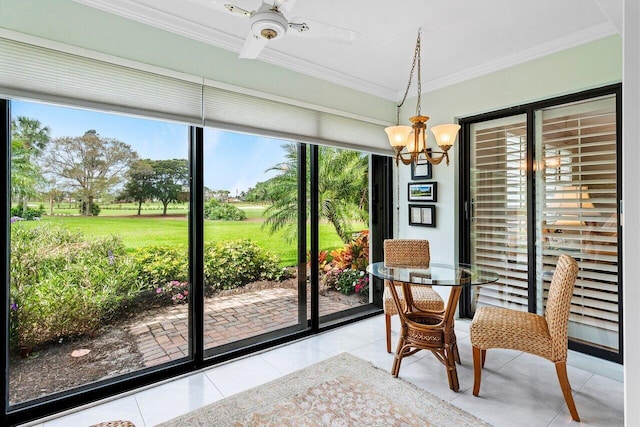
[[424, 329], [438, 274]]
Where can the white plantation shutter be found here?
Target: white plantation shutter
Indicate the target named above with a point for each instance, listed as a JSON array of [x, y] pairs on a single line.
[[577, 198], [499, 209]]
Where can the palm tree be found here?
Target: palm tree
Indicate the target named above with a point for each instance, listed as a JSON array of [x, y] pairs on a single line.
[[342, 188], [29, 139]]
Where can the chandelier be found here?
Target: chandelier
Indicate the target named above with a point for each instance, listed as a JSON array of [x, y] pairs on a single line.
[[414, 138]]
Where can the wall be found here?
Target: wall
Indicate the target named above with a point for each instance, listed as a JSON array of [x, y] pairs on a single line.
[[630, 230]]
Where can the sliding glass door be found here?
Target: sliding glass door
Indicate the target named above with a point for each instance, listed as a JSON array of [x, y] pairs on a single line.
[[498, 207], [543, 181], [252, 278], [99, 267], [577, 212]]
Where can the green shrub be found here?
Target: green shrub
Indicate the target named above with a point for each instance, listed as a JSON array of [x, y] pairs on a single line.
[[95, 208], [347, 280], [159, 265], [29, 214], [235, 263], [226, 212], [63, 284]]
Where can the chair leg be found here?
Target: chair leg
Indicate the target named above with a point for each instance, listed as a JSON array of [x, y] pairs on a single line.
[[397, 360], [477, 368], [561, 370], [456, 354], [387, 323], [484, 357]]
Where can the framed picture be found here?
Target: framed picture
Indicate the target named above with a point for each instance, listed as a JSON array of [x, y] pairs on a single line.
[[421, 170], [422, 215], [422, 192]]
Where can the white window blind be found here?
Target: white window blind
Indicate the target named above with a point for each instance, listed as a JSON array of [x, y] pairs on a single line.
[[234, 110], [499, 210], [39, 73], [59, 76], [577, 197]]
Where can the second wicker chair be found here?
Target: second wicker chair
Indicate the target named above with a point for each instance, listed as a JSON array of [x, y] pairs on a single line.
[[544, 336], [408, 253]]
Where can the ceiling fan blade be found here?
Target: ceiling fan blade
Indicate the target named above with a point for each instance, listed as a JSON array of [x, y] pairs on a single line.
[[253, 45], [285, 6], [319, 29], [237, 9]]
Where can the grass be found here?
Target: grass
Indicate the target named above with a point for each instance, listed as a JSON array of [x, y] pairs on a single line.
[[152, 229]]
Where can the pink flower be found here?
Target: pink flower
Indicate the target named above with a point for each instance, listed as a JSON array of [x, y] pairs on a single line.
[[159, 291]]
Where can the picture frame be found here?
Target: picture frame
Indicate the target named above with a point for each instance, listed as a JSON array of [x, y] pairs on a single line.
[[421, 169], [422, 192], [422, 215]]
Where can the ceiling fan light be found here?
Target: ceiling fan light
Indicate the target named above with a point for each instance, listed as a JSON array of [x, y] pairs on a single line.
[[269, 24], [398, 135]]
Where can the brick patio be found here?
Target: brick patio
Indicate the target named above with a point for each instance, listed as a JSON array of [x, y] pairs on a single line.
[[162, 334]]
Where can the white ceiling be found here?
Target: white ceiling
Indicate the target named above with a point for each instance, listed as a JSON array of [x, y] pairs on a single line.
[[461, 39]]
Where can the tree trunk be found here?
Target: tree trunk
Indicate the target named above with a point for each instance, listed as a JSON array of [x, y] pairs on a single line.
[[164, 207], [88, 207], [139, 206]]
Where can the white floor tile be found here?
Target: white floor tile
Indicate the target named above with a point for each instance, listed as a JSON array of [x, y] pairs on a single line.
[[292, 357], [160, 404], [125, 408], [232, 378]]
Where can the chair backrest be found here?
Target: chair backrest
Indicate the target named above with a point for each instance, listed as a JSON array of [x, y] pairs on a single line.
[[559, 304], [407, 252]]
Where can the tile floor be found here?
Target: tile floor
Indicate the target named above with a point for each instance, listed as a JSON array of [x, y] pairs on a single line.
[[517, 389]]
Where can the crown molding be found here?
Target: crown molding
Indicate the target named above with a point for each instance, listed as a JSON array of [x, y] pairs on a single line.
[[130, 9], [573, 40]]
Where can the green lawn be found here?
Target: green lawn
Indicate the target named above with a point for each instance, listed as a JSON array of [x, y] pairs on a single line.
[[151, 229]]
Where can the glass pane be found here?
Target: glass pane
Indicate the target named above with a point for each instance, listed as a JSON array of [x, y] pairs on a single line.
[[343, 187], [99, 235], [251, 242], [577, 195], [499, 210]]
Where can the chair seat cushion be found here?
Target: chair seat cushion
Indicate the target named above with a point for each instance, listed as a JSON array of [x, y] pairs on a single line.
[[424, 297], [494, 327]]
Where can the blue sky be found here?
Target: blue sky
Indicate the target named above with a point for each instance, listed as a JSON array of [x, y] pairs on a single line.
[[233, 161]]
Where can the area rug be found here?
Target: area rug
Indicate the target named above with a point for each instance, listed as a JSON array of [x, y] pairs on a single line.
[[341, 391]]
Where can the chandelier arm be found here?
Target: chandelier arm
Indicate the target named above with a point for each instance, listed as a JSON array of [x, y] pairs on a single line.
[[436, 160]]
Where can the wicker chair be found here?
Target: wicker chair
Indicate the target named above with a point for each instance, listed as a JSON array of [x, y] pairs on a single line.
[[408, 253], [545, 336]]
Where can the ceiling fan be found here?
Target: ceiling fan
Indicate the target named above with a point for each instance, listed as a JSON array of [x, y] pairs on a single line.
[[269, 22]]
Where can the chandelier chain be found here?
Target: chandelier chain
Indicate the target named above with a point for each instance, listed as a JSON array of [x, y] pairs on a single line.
[[416, 60]]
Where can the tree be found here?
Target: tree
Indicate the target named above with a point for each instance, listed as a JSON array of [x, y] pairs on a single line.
[[140, 183], [28, 139], [259, 193], [170, 177], [90, 164], [342, 188]]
